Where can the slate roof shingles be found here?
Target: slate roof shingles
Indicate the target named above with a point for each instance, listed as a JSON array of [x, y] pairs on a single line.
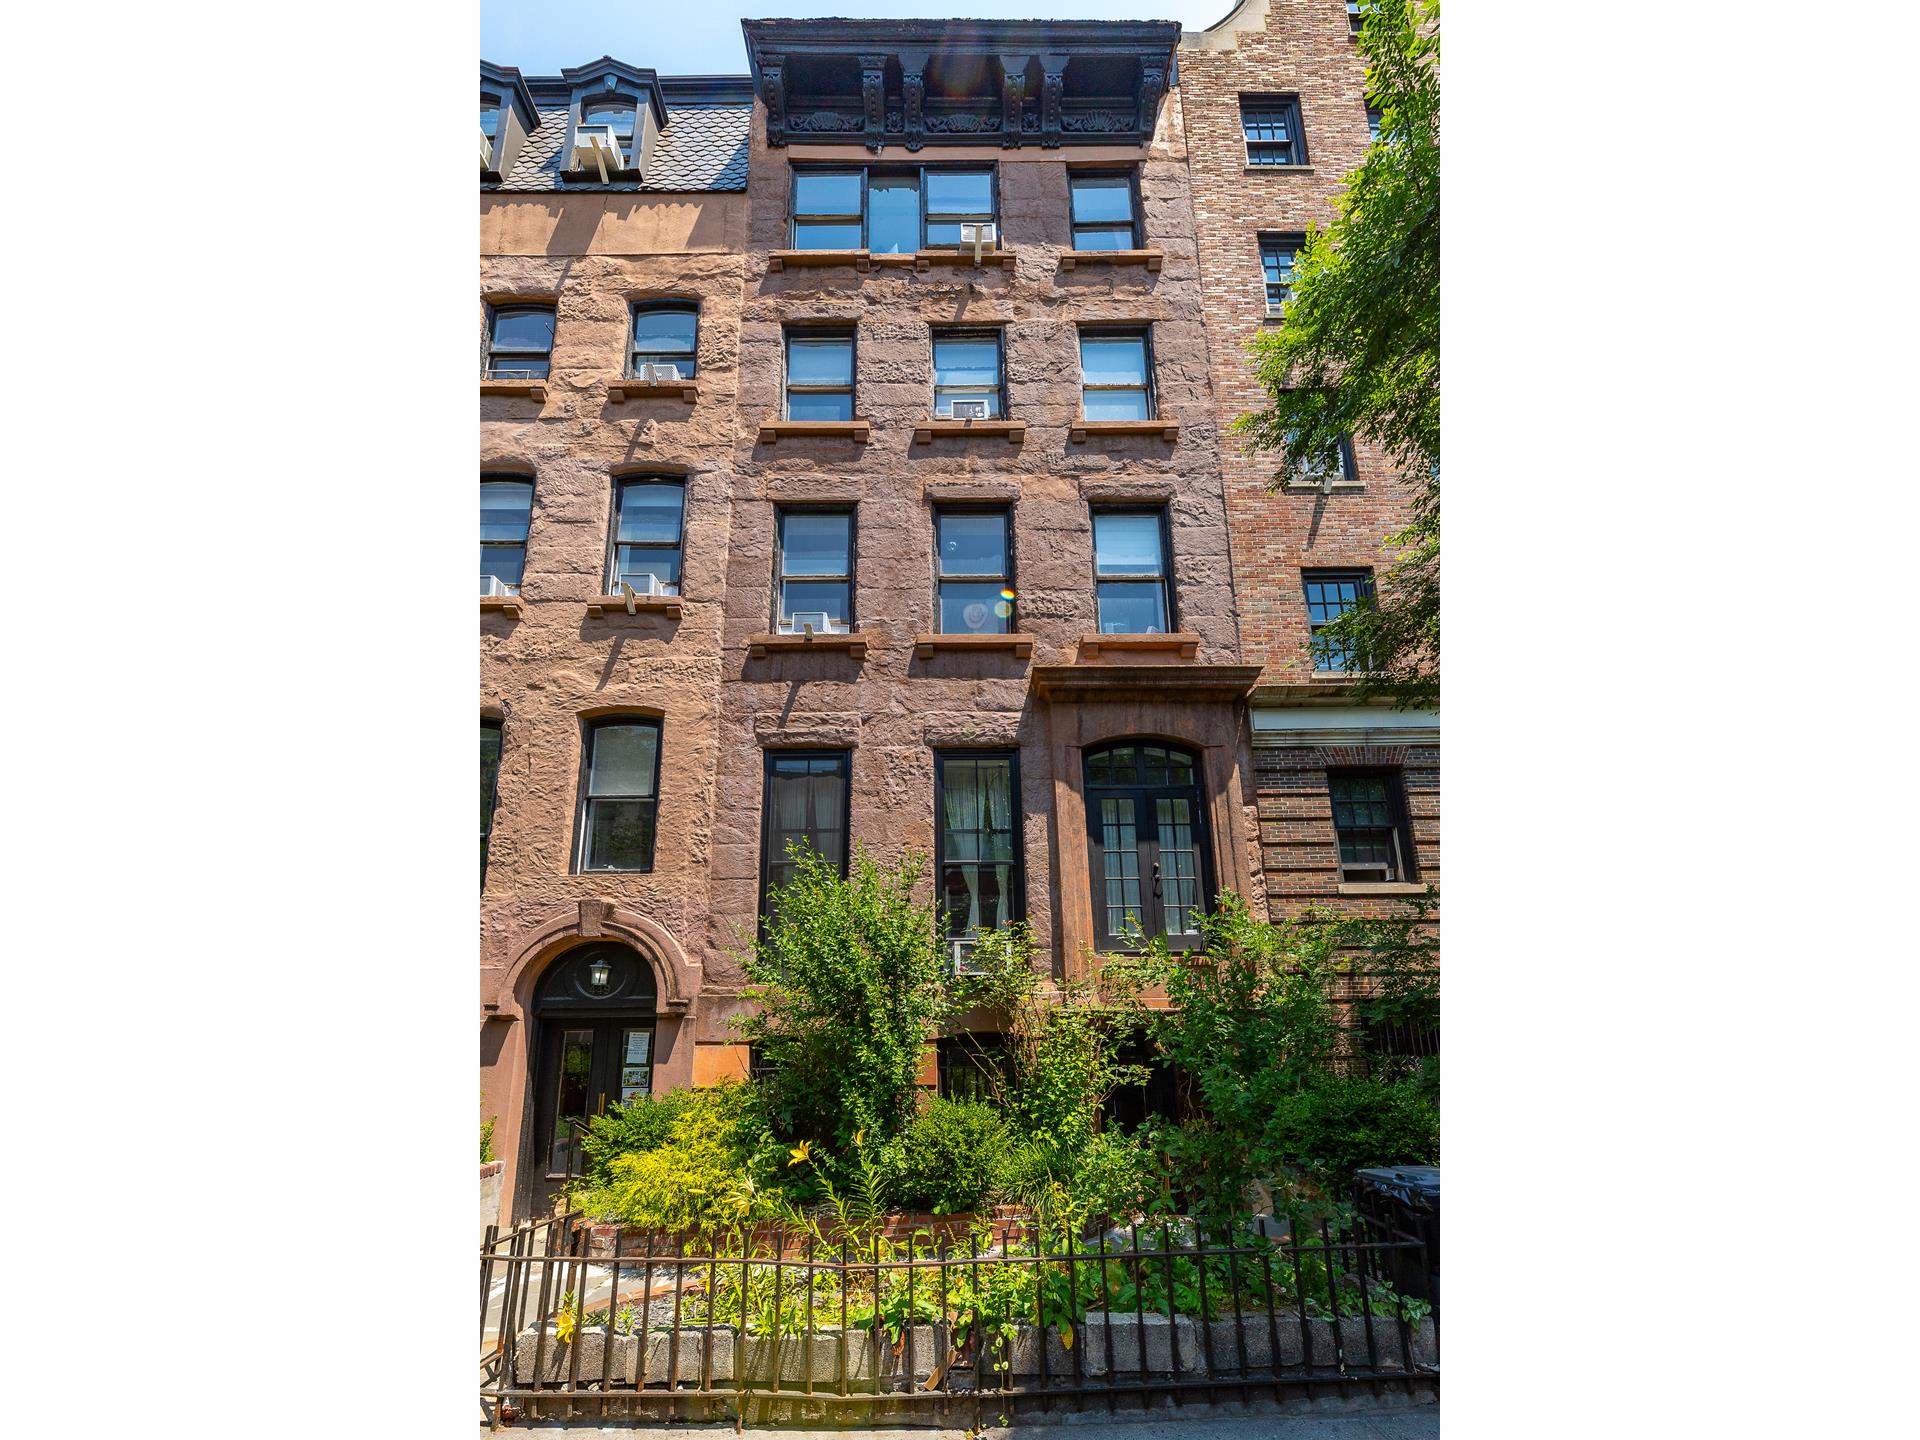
[[704, 147]]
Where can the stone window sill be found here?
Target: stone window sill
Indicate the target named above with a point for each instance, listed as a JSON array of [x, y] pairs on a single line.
[[927, 646], [1083, 429], [1151, 257], [531, 389], [1354, 887], [621, 391], [1316, 487], [865, 260], [504, 604], [667, 605], [854, 644], [1279, 169], [1185, 642], [778, 260], [925, 432], [858, 431]]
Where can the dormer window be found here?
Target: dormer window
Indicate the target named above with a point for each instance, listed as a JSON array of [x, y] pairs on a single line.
[[617, 115], [489, 115], [507, 117]]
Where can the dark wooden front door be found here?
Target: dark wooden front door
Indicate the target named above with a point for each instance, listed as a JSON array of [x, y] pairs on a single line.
[[594, 1049]]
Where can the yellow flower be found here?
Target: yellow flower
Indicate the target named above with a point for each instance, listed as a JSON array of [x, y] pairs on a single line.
[[860, 1137], [801, 1153]]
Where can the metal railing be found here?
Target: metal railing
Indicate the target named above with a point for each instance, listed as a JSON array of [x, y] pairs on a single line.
[[801, 1322]]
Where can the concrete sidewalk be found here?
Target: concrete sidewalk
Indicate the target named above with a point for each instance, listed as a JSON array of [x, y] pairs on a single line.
[[1195, 1422]]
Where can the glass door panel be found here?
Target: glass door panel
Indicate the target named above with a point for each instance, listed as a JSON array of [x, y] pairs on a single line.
[[572, 1094]]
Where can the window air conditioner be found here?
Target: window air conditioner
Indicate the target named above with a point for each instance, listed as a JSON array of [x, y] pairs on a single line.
[[486, 150], [813, 622], [963, 961], [971, 409], [980, 234], [594, 148], [654, 373], [493, 587]]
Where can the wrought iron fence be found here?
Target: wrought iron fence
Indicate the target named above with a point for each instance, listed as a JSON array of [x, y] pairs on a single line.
[[802, 1322]]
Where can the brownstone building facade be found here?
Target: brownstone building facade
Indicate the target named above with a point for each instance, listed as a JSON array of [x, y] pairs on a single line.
[[854, 473]]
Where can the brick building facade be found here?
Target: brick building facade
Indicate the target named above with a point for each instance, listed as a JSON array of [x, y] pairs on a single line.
[[930, 540], [1297, 61]]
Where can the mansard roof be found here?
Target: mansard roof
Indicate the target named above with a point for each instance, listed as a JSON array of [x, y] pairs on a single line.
[[961, 82]]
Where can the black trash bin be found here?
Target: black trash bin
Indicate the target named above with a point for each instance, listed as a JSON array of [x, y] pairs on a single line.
[[1403, 1202]]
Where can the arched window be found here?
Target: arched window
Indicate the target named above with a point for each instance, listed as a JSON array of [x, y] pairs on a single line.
[[617, 113], [1146, 825], [665, 332]]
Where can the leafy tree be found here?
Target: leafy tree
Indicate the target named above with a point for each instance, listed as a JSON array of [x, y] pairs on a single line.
[[850, 983], [1359, 351]]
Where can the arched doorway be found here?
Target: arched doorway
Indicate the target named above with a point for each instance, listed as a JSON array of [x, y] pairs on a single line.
[[593, 1048]]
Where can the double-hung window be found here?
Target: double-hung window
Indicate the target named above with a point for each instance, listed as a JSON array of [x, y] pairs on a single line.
[[819, 374], [967, 374], [829, 209], [1370, 821], [519, 342], [665, 332], [888, 210], [1336, 465], [976, 794], [1374, 116], [1130, 572], [616, 115], [648, 515], [806, 807], [489, 115], [1271, 125], [1331, 594], [1104, 213], [506, 505], [814, 564], [974, 1066], [1147, 830], [954, 198], [489, 787], [1278, 254], [974, 571], [619, 803], [1356, 16], [1116, 375]]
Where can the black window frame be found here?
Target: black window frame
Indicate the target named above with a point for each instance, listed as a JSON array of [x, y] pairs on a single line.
[[1146, 845], [1119, 332], [768, 859], [496, 311], [852, 576], [1362, 580], [790, 333], [1074, 227], [621, 483], [510, 478], [995, 333], [1275, 244], [1165, 577], [657, 307], [1016, 905], [1315, 474], [489, 786], [629, 104], [974, 1053], [1356, 17], [862, 218], [1375, 115], [1399, 827], [1011, 620], [583, 822], [496, 105], [1261, 111]]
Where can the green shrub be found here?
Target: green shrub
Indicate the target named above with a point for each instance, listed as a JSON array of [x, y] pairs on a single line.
[[714, 1167], [486, 1139], [952, 1158], [1340, 1124], [850, 983], [630, 1128]]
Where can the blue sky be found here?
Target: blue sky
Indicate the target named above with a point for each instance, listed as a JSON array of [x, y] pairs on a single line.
[[702, 37]]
